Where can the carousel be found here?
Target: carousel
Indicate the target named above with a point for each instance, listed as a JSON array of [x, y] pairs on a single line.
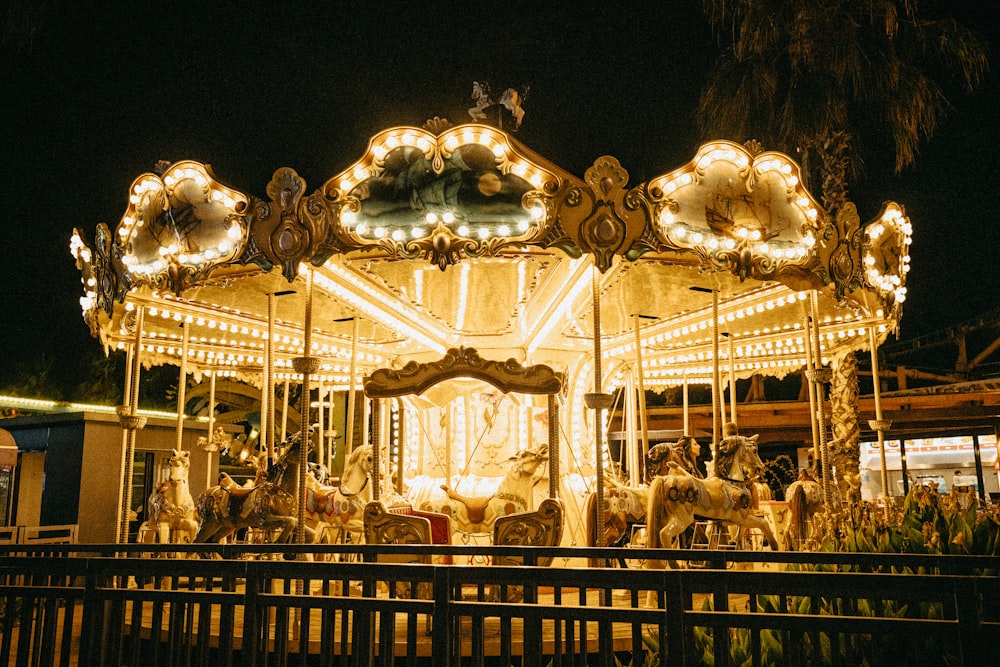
[[466, 303]]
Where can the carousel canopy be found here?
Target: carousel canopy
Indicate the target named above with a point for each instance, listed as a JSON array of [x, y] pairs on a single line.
[[459, 236]]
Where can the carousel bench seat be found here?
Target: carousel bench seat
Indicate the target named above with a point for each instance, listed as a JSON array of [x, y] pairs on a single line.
[[440, 523], [539, 528]]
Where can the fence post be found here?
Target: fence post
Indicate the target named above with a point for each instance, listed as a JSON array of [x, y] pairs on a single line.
[[251, 616], [675, 621], [442, 631], [967, 604]]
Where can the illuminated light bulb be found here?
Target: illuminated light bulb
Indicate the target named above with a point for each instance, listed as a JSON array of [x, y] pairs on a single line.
[[418, 232], [484, 232], [463, 230], [448, 217], [697, 237], [397, 235], [503, 230], [359, 173]]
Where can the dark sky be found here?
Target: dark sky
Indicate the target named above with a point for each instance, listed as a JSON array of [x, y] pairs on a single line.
[[91, 98]]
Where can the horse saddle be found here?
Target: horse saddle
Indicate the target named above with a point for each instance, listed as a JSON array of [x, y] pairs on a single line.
[[320, 502], [476, 507]]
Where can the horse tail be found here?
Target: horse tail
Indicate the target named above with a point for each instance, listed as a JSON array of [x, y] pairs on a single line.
[[655, 511], [798, 525], [590, 525]]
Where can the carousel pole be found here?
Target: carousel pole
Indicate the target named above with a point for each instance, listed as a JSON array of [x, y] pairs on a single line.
[[732, 379], [267, 394], [687, 406], [879, 424], [553, 446], [810, 366], [331, 444], [321, 421], [376, 448], [820, 375], [306, 365], [210, 444], [643, 421], [598, 402], [182, 386], [131, 422], [284, 408], [352, 375]]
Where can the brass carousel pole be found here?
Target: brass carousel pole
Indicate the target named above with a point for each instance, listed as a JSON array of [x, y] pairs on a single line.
[[352, 375], [732, 380], [210, 444], [879, 424], [820, 375], [267, 394], [131, 422], [810, 366], [182, 386], [644, 426], [553, 405], [598, 402], [306, 365]]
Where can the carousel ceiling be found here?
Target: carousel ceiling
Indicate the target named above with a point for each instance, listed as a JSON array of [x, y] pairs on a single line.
[[444, 237]]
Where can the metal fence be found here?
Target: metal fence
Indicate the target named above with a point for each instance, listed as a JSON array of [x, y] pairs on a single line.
[[230, 606]]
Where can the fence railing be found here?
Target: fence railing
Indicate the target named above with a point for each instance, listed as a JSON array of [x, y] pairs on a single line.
[[268, 606], [62, 534]]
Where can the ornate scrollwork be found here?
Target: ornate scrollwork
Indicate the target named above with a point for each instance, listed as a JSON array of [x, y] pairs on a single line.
[[840, 251], [278, 237], [602, 217], [507, 376]]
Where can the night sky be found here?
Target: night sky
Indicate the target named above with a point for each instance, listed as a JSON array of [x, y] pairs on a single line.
[[92, 98]]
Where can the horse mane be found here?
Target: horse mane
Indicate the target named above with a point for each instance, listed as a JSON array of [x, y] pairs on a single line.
[[726, 454]]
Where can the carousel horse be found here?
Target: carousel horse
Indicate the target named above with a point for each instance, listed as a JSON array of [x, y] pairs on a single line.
[[511, 99], [477, 514], [172, 515], [268, 504], [805, 499], [625, 506], [676, 499], [341, 506]]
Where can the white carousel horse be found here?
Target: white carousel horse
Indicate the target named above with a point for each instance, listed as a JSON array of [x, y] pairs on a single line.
[[268, 505], [677, 498], [341, 506], [477, 514], [172, 515], [511, 98]]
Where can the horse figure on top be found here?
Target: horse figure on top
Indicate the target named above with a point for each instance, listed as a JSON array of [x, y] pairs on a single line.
[[511, 99], [677, 498]]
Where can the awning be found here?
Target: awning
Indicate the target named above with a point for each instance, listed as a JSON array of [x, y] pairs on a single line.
[[8, 449]]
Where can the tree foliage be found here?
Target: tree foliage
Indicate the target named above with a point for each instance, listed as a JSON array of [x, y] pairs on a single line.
[[798, 74]]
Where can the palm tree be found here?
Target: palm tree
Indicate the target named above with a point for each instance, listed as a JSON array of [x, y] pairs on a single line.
[[820, 76]]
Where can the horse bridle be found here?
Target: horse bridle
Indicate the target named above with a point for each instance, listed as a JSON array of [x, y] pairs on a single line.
[[348, 494]]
